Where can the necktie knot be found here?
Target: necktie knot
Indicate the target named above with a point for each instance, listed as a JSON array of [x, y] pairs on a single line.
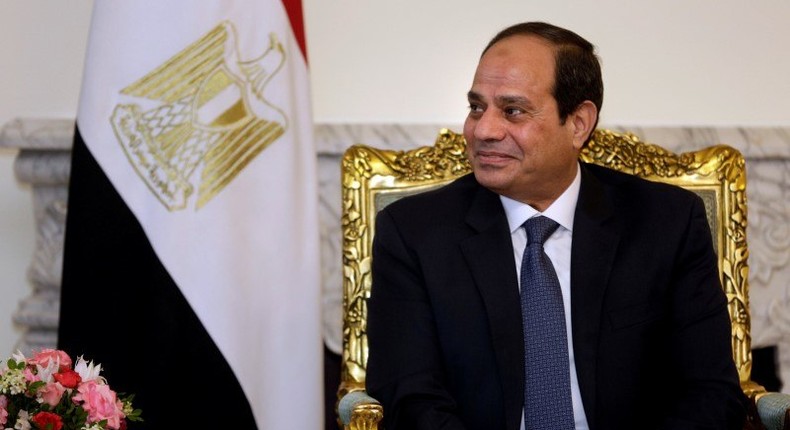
[[539, 229]]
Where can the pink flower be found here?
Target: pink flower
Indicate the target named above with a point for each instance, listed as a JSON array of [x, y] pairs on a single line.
[[46, 355], [3, 411], [51, 393], [30, 376], [101, 403]]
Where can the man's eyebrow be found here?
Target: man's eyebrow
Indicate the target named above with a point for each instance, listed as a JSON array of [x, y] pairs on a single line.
[[501, 100], [471, 95], [506, 100]]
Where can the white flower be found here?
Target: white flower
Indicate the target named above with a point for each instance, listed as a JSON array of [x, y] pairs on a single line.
[[45, 373], [22, 421], [19, 357], [12, 382], [87, 370], [127, 407]]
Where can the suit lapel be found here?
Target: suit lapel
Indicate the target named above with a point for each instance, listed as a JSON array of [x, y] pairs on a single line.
[[489, 255], [596, 234]]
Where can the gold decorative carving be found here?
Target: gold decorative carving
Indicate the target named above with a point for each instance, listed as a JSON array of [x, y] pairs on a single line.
[[366, 417], [374, 177]]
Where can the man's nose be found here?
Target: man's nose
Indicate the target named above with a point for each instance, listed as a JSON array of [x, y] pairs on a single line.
[[490, 126]]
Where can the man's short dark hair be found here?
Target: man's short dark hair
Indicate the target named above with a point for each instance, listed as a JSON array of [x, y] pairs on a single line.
[[577, 71]]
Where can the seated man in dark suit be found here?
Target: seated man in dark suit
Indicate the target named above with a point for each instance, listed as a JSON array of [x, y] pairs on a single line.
[[540, 292]]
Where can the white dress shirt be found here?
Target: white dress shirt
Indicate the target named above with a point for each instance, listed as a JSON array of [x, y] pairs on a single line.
[[558, 248]]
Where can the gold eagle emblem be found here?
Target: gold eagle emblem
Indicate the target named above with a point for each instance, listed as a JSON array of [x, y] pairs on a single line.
[[211, 116]]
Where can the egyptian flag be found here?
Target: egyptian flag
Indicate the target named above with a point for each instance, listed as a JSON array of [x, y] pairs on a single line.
[[191, 262]]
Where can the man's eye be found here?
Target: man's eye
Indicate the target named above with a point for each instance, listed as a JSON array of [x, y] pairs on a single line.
[[473, 107], [513, 111]]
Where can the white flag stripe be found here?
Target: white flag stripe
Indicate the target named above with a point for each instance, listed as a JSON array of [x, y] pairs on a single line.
[[246, 256]]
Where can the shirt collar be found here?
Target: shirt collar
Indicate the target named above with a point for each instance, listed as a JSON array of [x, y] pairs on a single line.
[[561, 210]]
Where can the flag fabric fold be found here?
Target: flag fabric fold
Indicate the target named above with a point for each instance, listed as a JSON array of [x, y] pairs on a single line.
[[191, 256]]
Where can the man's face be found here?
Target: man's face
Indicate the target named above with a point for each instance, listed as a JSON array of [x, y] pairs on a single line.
[[516, 143]]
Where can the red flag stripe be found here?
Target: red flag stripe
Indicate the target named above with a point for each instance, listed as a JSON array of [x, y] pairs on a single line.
[[294, 10]]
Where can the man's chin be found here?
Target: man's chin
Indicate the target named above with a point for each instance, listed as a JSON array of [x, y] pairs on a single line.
[[493, 180]]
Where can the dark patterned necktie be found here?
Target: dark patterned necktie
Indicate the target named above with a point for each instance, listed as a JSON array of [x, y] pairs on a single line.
[[547, 392]]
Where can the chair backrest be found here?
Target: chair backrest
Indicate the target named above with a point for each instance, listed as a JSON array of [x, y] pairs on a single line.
[[373, 178]]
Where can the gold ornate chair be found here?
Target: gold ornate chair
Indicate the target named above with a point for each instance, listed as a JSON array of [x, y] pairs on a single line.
[[372, 178]]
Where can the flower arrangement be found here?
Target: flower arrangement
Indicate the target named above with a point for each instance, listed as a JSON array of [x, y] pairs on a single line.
[[45, 392]]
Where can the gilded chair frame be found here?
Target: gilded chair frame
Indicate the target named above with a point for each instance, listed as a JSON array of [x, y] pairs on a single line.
[[371, 178]]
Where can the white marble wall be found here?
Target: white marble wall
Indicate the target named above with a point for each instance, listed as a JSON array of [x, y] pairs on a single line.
[[43, 162]]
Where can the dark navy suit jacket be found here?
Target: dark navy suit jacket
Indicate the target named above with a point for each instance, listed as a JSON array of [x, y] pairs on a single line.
[[651, 330]]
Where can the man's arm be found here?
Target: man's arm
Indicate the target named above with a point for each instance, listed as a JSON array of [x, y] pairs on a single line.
[[405, 370], [708, 385]]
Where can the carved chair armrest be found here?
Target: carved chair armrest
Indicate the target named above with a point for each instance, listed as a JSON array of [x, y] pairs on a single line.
[[358, 411], [774, 410]]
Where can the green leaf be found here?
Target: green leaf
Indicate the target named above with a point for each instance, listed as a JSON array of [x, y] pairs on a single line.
[[34, 386], [135, 415]]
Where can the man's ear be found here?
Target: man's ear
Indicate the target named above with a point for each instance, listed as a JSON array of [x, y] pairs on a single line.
[[583, 120]]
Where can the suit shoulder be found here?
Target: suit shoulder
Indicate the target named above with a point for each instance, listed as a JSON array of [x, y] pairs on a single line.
[[632, 186], [451, 197], [433, 212]]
